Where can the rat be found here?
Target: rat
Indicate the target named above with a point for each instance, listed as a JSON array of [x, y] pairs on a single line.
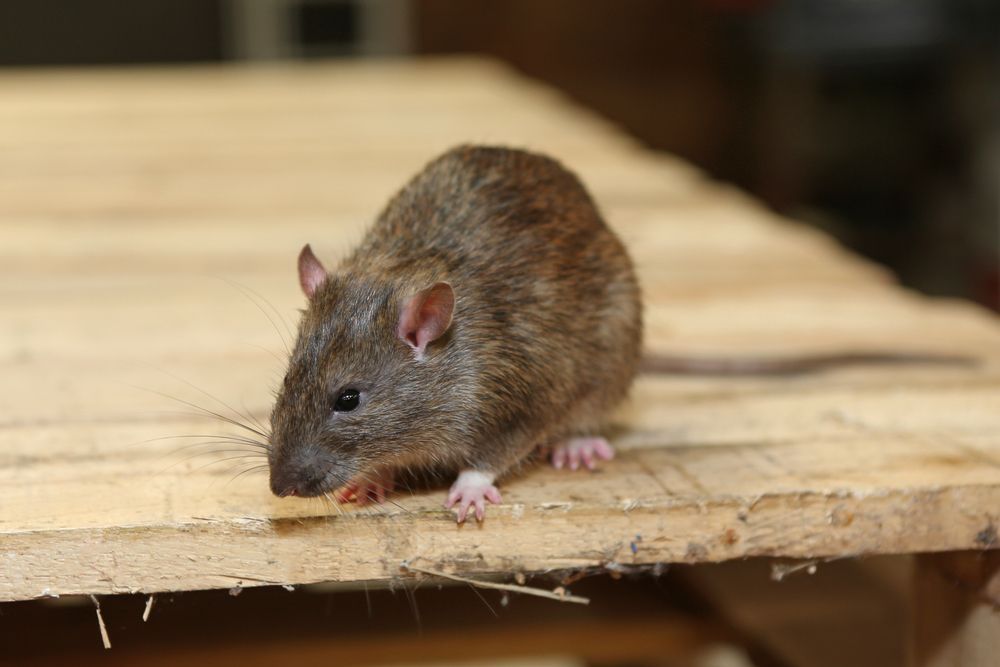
[[489, 313]]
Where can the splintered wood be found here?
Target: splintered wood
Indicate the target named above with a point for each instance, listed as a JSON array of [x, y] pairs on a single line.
[[151, 220]]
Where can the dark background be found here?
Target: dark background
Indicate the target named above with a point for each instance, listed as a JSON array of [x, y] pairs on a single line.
[[878, 121]]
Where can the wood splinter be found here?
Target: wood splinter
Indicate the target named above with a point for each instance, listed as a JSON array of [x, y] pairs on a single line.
[[100, 622], [149, 608], [557, 594]]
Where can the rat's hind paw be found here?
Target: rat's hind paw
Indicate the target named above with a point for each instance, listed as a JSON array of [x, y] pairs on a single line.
[[472, 488], [365, 489], [585, 450]]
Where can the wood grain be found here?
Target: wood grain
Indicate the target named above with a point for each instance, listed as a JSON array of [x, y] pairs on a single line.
[[143, 210]]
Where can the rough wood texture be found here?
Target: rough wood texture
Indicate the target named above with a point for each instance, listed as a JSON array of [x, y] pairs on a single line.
[[129, 199]]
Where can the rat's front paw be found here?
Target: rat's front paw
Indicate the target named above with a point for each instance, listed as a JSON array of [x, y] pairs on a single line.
[[472, 488], [373, 487], [585, 450]]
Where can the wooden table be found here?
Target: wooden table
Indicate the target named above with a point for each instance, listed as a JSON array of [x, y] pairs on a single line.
[[146, 214]]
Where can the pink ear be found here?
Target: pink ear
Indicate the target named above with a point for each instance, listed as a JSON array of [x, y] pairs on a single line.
[[425, 316], [311, 271]]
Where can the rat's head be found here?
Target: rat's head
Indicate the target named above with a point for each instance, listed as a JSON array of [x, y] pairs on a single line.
[[356, 393]]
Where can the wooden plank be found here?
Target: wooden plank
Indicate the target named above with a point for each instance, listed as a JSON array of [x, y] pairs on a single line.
[[132, 201]]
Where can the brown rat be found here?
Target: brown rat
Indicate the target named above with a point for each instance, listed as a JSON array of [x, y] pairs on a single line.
[[489, 312]]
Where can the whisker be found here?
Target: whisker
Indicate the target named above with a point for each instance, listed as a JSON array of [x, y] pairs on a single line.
[[208, 448], [205, 411], [330, 501], [274, 310], [225, 450], [246, 292], [220, 437], [232, 468], [238, 446], [223, 460], [268, 351], [254, 419], [215, 398], [192, 457], [349, 518], [259, 468], [210, 463]]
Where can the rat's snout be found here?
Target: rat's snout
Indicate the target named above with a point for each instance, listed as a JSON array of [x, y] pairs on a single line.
[[302, 474]]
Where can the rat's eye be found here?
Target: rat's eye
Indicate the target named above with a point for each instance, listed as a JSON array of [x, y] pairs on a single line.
[[347, 401]]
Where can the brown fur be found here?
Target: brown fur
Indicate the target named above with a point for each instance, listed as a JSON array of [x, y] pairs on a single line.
[[545, 337]]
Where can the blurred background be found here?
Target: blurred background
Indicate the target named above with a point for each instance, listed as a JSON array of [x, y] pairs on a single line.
[[878, 121]]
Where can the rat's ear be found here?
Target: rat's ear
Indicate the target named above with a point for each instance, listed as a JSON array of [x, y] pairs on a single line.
[[426, 316], [311, 271]]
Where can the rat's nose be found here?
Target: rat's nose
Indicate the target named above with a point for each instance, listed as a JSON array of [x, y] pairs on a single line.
[[284, 487], [296, 480]]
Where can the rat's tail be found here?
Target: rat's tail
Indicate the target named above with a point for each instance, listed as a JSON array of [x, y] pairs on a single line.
[[661, 364]]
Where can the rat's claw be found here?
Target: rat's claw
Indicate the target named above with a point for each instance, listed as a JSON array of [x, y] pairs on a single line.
[[472, 489], [369, 488], [558, 458], [585, 450]]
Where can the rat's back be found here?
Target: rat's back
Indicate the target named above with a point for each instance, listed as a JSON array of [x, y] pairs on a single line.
[[467, 207]]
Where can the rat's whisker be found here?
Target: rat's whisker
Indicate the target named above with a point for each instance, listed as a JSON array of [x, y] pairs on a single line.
[[247, 292], [223, 460], [261, 451], [206, 412], [233, 467], [227, 450], [239, 457], [213, 397], [254, 419], [328, 499], [190, 452], [271, 352], [248, 471], [197, 455], [214, 437]]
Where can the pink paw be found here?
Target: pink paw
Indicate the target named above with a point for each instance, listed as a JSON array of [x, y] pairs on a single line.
[[472, 489], [365, 489], [585, 450]]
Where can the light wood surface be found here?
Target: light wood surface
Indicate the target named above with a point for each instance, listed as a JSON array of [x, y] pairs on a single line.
[[137, 206]]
